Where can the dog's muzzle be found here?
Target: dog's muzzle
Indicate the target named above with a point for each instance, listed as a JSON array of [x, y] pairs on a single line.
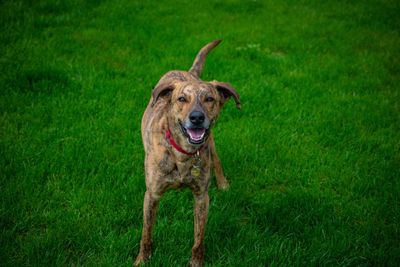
[[196, 128]]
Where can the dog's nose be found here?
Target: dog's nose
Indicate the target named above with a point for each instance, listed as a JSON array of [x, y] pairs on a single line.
[[196, 117]]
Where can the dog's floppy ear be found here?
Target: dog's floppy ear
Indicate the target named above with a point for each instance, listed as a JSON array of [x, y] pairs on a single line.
[[226, 91], [163, 89]]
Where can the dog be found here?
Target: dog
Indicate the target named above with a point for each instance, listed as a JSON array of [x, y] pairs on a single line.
[[179, 146]]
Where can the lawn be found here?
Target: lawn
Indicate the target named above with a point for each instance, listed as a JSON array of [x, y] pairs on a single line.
[[313, 157]]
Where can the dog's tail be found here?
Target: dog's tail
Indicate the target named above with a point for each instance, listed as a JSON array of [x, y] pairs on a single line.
[[198, 63]]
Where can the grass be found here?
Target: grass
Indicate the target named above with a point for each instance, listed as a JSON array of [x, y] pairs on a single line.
[[313, 157]]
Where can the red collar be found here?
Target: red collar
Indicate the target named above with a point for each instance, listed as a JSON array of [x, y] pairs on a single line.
[[176, 146]]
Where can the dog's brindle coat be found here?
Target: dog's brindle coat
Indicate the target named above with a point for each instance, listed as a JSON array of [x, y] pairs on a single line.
[[187, 107]]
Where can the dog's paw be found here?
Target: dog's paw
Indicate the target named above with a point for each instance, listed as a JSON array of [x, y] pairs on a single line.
[[196, 263], [141, 259], [223, 185]]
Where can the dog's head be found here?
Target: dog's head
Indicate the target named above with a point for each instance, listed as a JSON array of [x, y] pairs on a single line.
[[193, 104]]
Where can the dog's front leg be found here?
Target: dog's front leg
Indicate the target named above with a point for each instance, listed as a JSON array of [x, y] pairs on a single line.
[[200, 219], [150, 206]]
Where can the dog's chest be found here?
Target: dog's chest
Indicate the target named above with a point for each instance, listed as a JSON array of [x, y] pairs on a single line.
[[193, 172]]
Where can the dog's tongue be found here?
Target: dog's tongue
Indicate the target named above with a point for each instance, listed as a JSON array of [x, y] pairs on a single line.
[[196, 134]]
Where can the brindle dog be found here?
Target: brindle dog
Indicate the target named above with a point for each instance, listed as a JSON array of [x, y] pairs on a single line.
[[179, 146]]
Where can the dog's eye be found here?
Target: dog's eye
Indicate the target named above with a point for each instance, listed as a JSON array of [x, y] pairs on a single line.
[[182, 99], [209, 99]]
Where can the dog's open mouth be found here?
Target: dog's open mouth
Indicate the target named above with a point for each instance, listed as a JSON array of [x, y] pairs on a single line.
[[196, 136]]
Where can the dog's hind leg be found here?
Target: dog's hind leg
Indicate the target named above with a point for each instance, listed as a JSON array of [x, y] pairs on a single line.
[[222, 183]]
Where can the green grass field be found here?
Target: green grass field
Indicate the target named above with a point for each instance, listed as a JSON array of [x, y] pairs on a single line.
[[313, 157]]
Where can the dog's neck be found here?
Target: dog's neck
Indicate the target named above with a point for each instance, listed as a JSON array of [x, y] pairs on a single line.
[[177, 147], [181, 145]]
